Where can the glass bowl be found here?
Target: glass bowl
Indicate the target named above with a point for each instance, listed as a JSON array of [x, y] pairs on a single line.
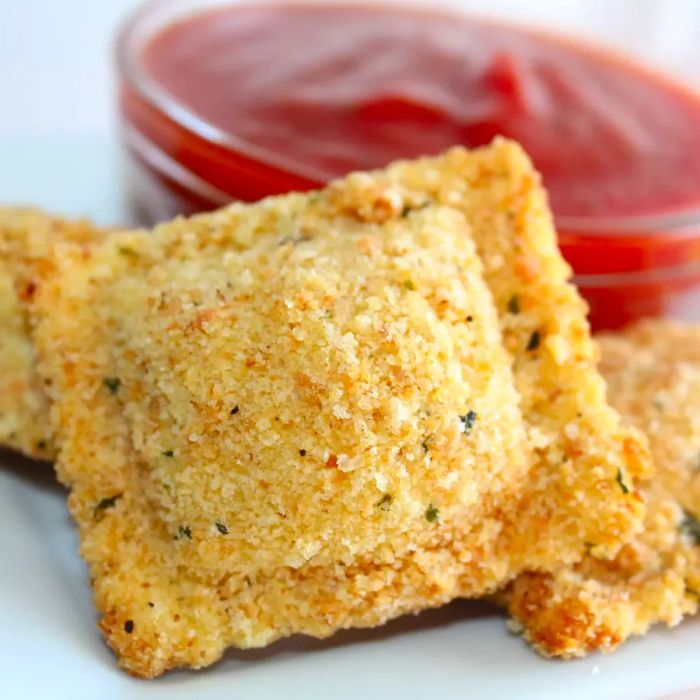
[[626, 268]]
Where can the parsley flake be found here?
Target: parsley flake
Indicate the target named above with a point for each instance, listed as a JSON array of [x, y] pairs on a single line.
[[106, 504], [128, 252], [112, 384], [408, 208], [168, 453], [534, 341], [184, 531], [432, 514], [385, 502], [691, 526], [468, 421], [621, 480], [221, 528]]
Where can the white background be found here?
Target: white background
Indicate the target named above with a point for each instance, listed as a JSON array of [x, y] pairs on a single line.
[[57, 145], [58, 149]]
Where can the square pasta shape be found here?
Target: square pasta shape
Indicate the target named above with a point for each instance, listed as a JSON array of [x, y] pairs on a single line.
[[24, 409], [573, 502], [120, 404], [653, 373], [278, 419]]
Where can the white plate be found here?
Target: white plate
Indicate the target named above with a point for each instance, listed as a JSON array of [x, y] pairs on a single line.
[[50, 646]]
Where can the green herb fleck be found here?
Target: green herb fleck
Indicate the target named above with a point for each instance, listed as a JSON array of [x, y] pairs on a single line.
[[221, 528], [106, 504], [112, 384], [691, 526], [514, 304], [168, 453], [151, 605], [469, 318], [129, 626], [385, 502], [302, 453], [534, 341], [129, 252], [408, 208], [621, 480], [234, 410], [432, 514], [468, 421], [184, 531], [409, 284], [426, 444]]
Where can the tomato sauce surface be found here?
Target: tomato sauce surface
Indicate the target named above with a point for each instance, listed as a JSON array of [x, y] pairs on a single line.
[[297, 94]]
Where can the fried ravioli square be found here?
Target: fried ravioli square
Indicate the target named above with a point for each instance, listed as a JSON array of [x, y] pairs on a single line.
[[572, 503], [278, 419], [653, 373], [325, 410], [24, 409]]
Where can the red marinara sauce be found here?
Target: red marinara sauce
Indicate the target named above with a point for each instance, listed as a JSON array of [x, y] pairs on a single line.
[[247, 100]]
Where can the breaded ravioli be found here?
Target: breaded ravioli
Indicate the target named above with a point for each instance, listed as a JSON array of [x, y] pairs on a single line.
[[653, 373], [279, 419], [579, 445], [326, 410], [24, 412]]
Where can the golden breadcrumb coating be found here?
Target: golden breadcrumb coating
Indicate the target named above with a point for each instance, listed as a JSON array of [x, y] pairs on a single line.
[[653, 373], [24, 413], [578, 443], [278, 419], [301, 415]]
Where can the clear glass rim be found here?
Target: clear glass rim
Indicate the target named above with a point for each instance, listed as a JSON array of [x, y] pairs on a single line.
[[158, 13], [687, 272], [147, 88]]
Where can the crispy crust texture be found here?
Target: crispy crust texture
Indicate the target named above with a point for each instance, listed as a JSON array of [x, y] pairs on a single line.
[[324, 411], [577, 440], [24, 410], [653, 372]]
